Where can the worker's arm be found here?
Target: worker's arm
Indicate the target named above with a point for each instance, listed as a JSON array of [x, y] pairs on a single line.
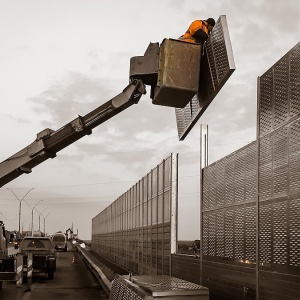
[[197, 30], [200, 36]]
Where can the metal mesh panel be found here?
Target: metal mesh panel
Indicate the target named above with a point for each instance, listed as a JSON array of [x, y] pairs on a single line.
[[205, 233], [218, 46], [294, 229], [229, 180], [205, 191], [273, 233], [250, 233], [229, 206], [265, 234], [265, 167], [280, 165], [239, 234], [294, 80], [134, 231], [212, 196], [216, 67], [265, 103], [276, 157], [280, 233], [281, 92], [294, 165], [250, 172], [212, 234], [220, 234], [229, 233], [239, 176], [185, 115], [220, 185], [212, 78]]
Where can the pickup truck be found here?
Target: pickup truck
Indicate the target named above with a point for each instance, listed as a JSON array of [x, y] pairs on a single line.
[[43, 253]]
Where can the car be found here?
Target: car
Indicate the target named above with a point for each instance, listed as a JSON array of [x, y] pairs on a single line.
[[43, 254], [60, 241]]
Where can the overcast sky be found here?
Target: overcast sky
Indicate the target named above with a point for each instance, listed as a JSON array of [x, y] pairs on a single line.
[[63, 58]]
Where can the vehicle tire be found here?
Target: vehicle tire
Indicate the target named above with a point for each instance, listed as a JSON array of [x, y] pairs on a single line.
[[50, 274], [65, 249]]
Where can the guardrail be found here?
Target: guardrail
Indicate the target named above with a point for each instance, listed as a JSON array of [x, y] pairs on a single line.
[[105, 283]]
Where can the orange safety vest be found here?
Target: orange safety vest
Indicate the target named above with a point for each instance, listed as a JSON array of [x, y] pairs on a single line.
[[195, 25]]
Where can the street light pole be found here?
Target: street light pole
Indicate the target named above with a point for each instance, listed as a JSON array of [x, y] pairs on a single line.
[[45, 224], [32, 216], [40, 217], [20, 205]]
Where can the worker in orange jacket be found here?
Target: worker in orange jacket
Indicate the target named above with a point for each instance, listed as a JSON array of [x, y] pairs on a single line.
[[198, 31]]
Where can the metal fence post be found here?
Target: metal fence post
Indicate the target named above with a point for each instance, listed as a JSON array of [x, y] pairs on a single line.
[[203, 164], [29, 271], [19, 270]]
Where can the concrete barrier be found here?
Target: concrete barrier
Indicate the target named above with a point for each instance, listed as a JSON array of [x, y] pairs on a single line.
[[105, 283]]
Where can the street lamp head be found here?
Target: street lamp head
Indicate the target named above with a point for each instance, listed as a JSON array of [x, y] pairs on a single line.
[[37, 204], [44, 210], [17, 196], [32, 215], [27, 193], [20, 203]]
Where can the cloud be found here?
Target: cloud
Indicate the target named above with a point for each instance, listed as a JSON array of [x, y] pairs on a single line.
[[14, 119], [74, 94], [176, 4]]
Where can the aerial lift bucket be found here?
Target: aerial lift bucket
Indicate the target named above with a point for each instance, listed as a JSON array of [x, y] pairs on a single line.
[[172, 70]]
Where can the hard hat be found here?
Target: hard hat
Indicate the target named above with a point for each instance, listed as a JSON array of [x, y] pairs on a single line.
[[211, 21]]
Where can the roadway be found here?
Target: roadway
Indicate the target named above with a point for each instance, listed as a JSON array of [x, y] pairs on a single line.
[[72, 280]]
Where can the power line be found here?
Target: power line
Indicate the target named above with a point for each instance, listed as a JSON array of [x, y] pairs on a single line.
[[89, 184], [110, 152], [85, 184], [90, 197], [122, 152], [82, 202], [83, 197]]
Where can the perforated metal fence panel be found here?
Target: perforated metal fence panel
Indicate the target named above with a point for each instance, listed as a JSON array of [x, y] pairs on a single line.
[[138, 231], [251, 200], [229, 224], [217, 64], [279, 169], [279, 93]]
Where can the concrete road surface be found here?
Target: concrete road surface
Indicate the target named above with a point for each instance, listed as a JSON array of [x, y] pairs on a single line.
[[72, 280]]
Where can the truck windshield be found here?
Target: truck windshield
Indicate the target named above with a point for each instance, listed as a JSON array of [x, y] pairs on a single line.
[[35, 243], [59, 238]]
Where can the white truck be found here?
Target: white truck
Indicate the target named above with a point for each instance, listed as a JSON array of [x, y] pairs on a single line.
[[59, 240]]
